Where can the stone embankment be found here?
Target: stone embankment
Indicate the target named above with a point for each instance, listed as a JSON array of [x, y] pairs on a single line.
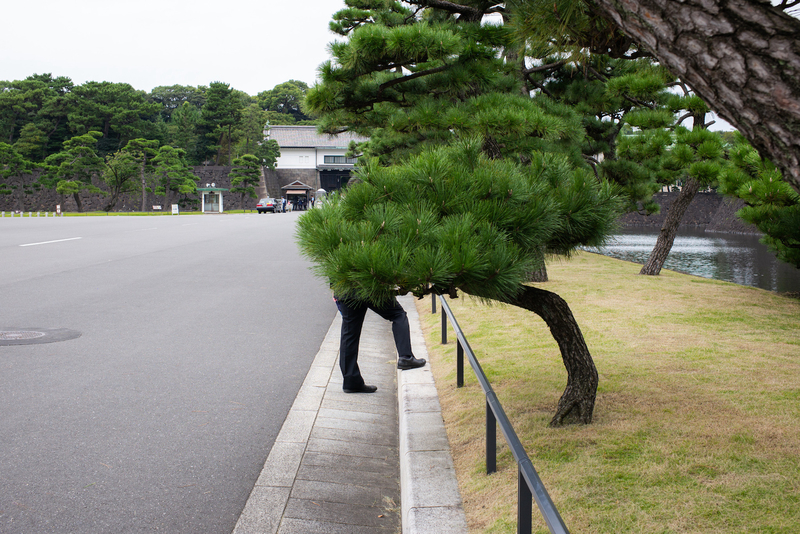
[[28, 195], [709, 211]]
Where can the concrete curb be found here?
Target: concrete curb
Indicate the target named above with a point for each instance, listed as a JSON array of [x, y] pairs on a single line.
[[430, 500]]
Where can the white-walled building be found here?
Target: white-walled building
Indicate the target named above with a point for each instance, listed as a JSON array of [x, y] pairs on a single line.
[[317, 160]]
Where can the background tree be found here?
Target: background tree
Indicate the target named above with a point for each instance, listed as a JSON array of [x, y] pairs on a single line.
[[32, 142], [172, 174], [245, 176], [182, 129], [12, 166], [117, 110], [219, 117], [254, 121], [71, 170], [35, 109], [141, 151], [284, 103], [770, 202], [742, 58], [698, 155], [121, 175], [172, 97], [268, 153]]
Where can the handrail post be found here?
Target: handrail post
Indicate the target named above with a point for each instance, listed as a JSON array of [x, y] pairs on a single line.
[[444, 328], [433, 303], [524, 505], [491, 440], [459, 364]]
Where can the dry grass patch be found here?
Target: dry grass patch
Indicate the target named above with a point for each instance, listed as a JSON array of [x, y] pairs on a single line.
[[697, 422]]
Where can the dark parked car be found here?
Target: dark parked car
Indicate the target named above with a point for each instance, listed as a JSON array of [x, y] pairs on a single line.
[[266, 204]]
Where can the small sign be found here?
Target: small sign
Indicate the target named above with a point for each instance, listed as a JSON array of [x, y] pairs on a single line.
[[175, 209], [156, 207], [58, 209]]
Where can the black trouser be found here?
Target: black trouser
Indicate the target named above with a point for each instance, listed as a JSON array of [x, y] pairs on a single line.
[[353, 313]]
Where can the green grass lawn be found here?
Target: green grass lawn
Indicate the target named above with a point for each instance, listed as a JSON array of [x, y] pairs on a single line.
[[697, 422]]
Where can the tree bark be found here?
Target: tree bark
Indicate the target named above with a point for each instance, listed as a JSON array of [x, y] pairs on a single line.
[[741, 56], [577, 402], [670, 228], [77, 197], [540, 274], [144, 183]]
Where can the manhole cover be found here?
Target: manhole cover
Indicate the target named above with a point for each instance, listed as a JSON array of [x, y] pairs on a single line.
[[19, 334], [35, 336]]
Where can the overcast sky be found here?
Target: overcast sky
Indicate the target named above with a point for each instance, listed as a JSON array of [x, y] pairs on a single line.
[[253, 45]]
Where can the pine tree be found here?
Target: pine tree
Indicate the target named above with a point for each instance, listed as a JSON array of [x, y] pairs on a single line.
[[416, 80], [245, 176], [120, 175], [71, 170], [13, 165], [220, 115], [142, 152], [173, 175], [771, 203], [454, 219]]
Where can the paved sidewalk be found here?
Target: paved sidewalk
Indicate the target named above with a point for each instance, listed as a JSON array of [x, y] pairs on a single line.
[[335, 466]]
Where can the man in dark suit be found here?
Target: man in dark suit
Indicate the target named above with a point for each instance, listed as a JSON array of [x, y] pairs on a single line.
[[353, 312]]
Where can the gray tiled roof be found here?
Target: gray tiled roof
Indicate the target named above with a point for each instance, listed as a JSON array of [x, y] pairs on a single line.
[[307, 137]]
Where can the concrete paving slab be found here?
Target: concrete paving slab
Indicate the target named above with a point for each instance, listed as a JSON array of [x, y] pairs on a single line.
[[365, 464], [351, 415], [334, 492], [336, 446], [333, 512], [340, 460], [352, 436], [349, 474], [302, 526]]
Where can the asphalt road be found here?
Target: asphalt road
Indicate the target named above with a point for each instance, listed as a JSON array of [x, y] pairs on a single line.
[[196, 333]]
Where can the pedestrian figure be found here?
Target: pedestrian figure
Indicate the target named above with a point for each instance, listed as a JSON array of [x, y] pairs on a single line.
[[353, 312]]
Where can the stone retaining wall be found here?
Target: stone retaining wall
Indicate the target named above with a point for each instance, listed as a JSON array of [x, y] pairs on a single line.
[[46, 199], [710, 211]]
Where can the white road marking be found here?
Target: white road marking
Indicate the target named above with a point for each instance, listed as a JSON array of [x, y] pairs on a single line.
[[47, 242]]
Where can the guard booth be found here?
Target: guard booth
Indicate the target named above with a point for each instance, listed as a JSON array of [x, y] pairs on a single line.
[[298, 192], [211, 198]]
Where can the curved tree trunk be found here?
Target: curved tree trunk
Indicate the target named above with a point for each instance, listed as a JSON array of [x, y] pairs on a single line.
[[112, 201], [144, 187], [670, 228], [540, 274], [577, 402], [77, 197], [742, 58]]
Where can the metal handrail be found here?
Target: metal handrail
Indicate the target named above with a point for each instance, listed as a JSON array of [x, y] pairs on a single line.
[[529, 485]]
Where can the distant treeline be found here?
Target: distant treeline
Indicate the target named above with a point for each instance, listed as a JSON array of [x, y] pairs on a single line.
[[214, 123]]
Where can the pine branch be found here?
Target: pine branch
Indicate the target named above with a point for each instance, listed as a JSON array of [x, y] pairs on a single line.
[[419, 74], [549, 66], [468, 12]]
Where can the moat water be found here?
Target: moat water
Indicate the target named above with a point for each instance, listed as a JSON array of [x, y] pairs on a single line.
[[737, 258]]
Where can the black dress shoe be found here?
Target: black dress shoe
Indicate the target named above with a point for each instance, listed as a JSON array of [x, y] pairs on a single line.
[[410, 362], [363, 389]]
